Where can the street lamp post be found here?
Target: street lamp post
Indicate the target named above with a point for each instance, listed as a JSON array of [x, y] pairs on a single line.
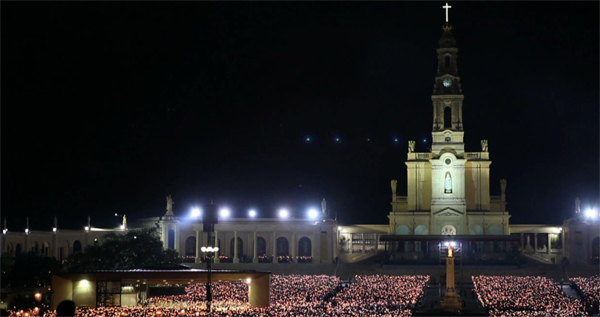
[[209, 251], [208, 223]]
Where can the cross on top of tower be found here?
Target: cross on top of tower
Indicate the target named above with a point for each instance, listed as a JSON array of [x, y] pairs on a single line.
[[446, 7]]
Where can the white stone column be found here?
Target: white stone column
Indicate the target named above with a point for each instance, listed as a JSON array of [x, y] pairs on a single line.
[[164, 235], [177, 239], [216, 244], [275, 260], [54, 244], [235, 248], [349, 243], [362, 236], [255, 251], [198, 243], [293, 246], [317, 246], [376, 243], [535, 245], [521, 241]]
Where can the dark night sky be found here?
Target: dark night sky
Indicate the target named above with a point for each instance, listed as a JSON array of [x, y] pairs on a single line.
[[108, 107]]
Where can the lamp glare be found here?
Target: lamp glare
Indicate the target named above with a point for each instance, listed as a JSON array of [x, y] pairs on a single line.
[[283, 213], [591, 213], [196, 212], [225, 213]]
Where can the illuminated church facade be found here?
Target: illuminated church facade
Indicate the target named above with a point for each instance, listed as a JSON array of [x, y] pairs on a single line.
[[448, 189], [448, 197]]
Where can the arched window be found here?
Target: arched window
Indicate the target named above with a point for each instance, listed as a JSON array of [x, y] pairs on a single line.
[[446, 61], [496, 230], [18, 249], [240, 247], [36, 248], [304, 247], [9, 250], [402, 230], [448, 117], [171, 239], [421, 230], [448, 230], [476, 229], [261, 246], [283, 247], [76, 246], [45, 248], [190, 247]]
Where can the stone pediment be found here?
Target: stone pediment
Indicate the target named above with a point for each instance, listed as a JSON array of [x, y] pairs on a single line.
[[448, 212]]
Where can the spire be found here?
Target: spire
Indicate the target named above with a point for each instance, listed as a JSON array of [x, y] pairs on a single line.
[[447, 40]]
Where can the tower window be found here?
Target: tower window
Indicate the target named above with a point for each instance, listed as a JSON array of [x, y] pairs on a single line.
[[446, 61], [448, 117]]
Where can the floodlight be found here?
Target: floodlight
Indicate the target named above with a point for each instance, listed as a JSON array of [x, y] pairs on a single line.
[[591, 213], [283, 213], [225, 213], [248, 280], [339, 228], [313, 213], [196, 212], [252, 213]]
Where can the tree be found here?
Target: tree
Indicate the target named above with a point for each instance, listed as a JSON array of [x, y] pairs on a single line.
[[135, 249], [28, 270]]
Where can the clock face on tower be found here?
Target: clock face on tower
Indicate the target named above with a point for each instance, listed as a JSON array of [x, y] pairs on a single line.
[[447, 82]]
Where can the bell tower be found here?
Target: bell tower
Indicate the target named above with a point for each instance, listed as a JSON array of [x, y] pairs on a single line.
[[447, 98], [448, 192]]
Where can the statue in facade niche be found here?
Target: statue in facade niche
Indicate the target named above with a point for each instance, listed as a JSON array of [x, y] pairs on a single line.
[[448, 184], [169, 203], [411, 146], [484, 145], [394, 186], [577, 205]]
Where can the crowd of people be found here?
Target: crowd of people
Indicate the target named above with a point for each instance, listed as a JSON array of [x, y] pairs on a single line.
[[380, 295], [589, 287], [528, 296], [291, 295]]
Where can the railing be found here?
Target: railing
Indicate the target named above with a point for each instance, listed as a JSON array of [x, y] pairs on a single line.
[[423, 156]]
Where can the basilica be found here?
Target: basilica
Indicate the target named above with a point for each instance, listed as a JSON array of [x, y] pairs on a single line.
[[448, 200]]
